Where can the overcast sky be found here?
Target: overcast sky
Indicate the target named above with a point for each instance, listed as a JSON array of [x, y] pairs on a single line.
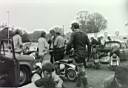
[[44, 14]]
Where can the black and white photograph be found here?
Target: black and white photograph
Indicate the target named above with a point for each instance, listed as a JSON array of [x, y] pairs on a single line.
[[63, 43]]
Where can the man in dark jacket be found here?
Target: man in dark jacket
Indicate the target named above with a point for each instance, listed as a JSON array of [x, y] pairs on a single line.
[[80, 42]]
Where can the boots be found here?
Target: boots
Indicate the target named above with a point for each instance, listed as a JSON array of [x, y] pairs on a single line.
[[78, 84], [85, 82], [82, 81]]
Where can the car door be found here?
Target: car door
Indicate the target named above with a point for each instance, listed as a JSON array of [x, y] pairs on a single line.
[[8, 68], [124, 51]]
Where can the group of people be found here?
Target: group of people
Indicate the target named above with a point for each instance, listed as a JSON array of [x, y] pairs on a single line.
[[102, 39], [78, 41], [55, 46]]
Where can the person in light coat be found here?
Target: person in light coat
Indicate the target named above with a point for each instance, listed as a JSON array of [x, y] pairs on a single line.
[[43, 46]]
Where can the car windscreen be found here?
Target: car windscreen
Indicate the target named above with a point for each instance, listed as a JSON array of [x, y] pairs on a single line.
[[6, 49], [112, 45]]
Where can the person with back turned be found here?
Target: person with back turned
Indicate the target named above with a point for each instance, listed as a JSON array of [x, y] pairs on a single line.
[[80, 42]]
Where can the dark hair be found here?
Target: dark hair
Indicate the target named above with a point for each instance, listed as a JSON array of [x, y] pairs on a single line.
[[75, 26], [109, 38], [43, 34], [49, 67], [92, 37], [52, 31], [58, 33], [17, 31]]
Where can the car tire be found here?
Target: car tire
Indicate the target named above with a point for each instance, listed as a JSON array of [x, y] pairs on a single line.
[[71, 75], [25, 76]]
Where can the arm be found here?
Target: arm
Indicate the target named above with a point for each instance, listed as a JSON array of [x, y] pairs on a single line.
[[31, 85], [60, 83], [88, 45], [70, 43], [39, 83], [20, 41], [58, 80], [56, 42], [46, 45]]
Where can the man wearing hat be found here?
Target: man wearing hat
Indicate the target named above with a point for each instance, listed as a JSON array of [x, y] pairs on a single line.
[[80, 42]]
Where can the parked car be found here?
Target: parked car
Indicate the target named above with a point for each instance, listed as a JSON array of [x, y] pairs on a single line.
[[16, 69], [120, 48]]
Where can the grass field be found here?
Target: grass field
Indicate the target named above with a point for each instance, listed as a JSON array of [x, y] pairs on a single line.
[[95, 78]]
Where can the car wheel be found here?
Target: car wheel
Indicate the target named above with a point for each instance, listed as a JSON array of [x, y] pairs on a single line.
[[71, 75], [24, 76]]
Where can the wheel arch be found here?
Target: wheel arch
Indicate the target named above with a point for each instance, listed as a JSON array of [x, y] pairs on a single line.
[[26, 67]]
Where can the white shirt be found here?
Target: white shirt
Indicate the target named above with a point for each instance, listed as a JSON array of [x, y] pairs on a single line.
[[42, 46], [59, 42], [17, 41]]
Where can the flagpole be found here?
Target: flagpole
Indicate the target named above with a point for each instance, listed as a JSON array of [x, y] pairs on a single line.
[[8, 13], [63, 30]]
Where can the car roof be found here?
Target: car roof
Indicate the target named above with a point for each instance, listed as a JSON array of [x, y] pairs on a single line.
[[112, 42]]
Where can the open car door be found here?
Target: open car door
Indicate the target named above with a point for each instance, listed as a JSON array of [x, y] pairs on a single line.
[[9, 66]]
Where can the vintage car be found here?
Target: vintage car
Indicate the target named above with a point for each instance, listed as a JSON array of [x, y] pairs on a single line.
[[15, 69], [120, 48]]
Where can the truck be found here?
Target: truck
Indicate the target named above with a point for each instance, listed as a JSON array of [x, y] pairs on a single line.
[[15, 69]]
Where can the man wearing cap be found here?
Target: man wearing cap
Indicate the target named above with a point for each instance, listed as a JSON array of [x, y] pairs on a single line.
[[80, 42]]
